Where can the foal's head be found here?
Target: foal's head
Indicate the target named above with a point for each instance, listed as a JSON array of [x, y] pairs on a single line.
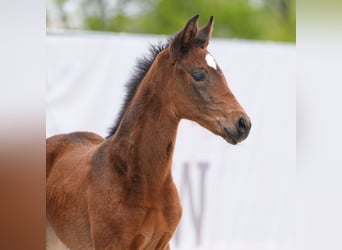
[[198, 88]]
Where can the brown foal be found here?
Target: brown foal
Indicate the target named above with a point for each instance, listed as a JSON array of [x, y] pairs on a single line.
[[118, 192]]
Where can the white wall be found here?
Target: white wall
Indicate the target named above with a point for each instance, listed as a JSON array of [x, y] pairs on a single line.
[[234, 197]]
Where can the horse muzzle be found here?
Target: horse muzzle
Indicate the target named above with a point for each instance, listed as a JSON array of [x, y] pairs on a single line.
[[237, 131]]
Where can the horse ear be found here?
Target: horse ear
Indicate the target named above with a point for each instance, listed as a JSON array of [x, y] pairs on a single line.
[[185, 38], [204, 34]]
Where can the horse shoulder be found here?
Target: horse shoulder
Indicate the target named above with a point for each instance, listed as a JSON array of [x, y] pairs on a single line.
[[68, 158]]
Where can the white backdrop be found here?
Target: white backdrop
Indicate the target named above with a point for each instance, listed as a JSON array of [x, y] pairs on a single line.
[[233, 197]]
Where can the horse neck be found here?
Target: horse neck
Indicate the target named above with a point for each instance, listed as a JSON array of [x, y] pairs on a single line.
[[146, 136]]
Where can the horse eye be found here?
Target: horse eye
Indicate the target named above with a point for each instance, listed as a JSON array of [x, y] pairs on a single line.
[[198, 76]]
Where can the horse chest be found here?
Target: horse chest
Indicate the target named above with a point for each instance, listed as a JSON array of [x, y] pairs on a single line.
[[156, 213], [154, 227], [146, 220], [137, 212], [153, 214]]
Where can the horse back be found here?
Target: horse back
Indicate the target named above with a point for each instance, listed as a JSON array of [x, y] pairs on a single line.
[[58, 145]]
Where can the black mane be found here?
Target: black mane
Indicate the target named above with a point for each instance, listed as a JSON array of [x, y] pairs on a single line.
[[142, 66]]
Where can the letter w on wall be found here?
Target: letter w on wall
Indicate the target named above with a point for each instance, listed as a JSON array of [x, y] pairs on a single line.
[[187, 191]]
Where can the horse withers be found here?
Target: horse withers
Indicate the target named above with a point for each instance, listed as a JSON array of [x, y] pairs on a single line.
[[118, 192]]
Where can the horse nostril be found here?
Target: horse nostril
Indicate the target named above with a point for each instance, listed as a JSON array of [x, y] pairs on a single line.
[[242, 124]]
